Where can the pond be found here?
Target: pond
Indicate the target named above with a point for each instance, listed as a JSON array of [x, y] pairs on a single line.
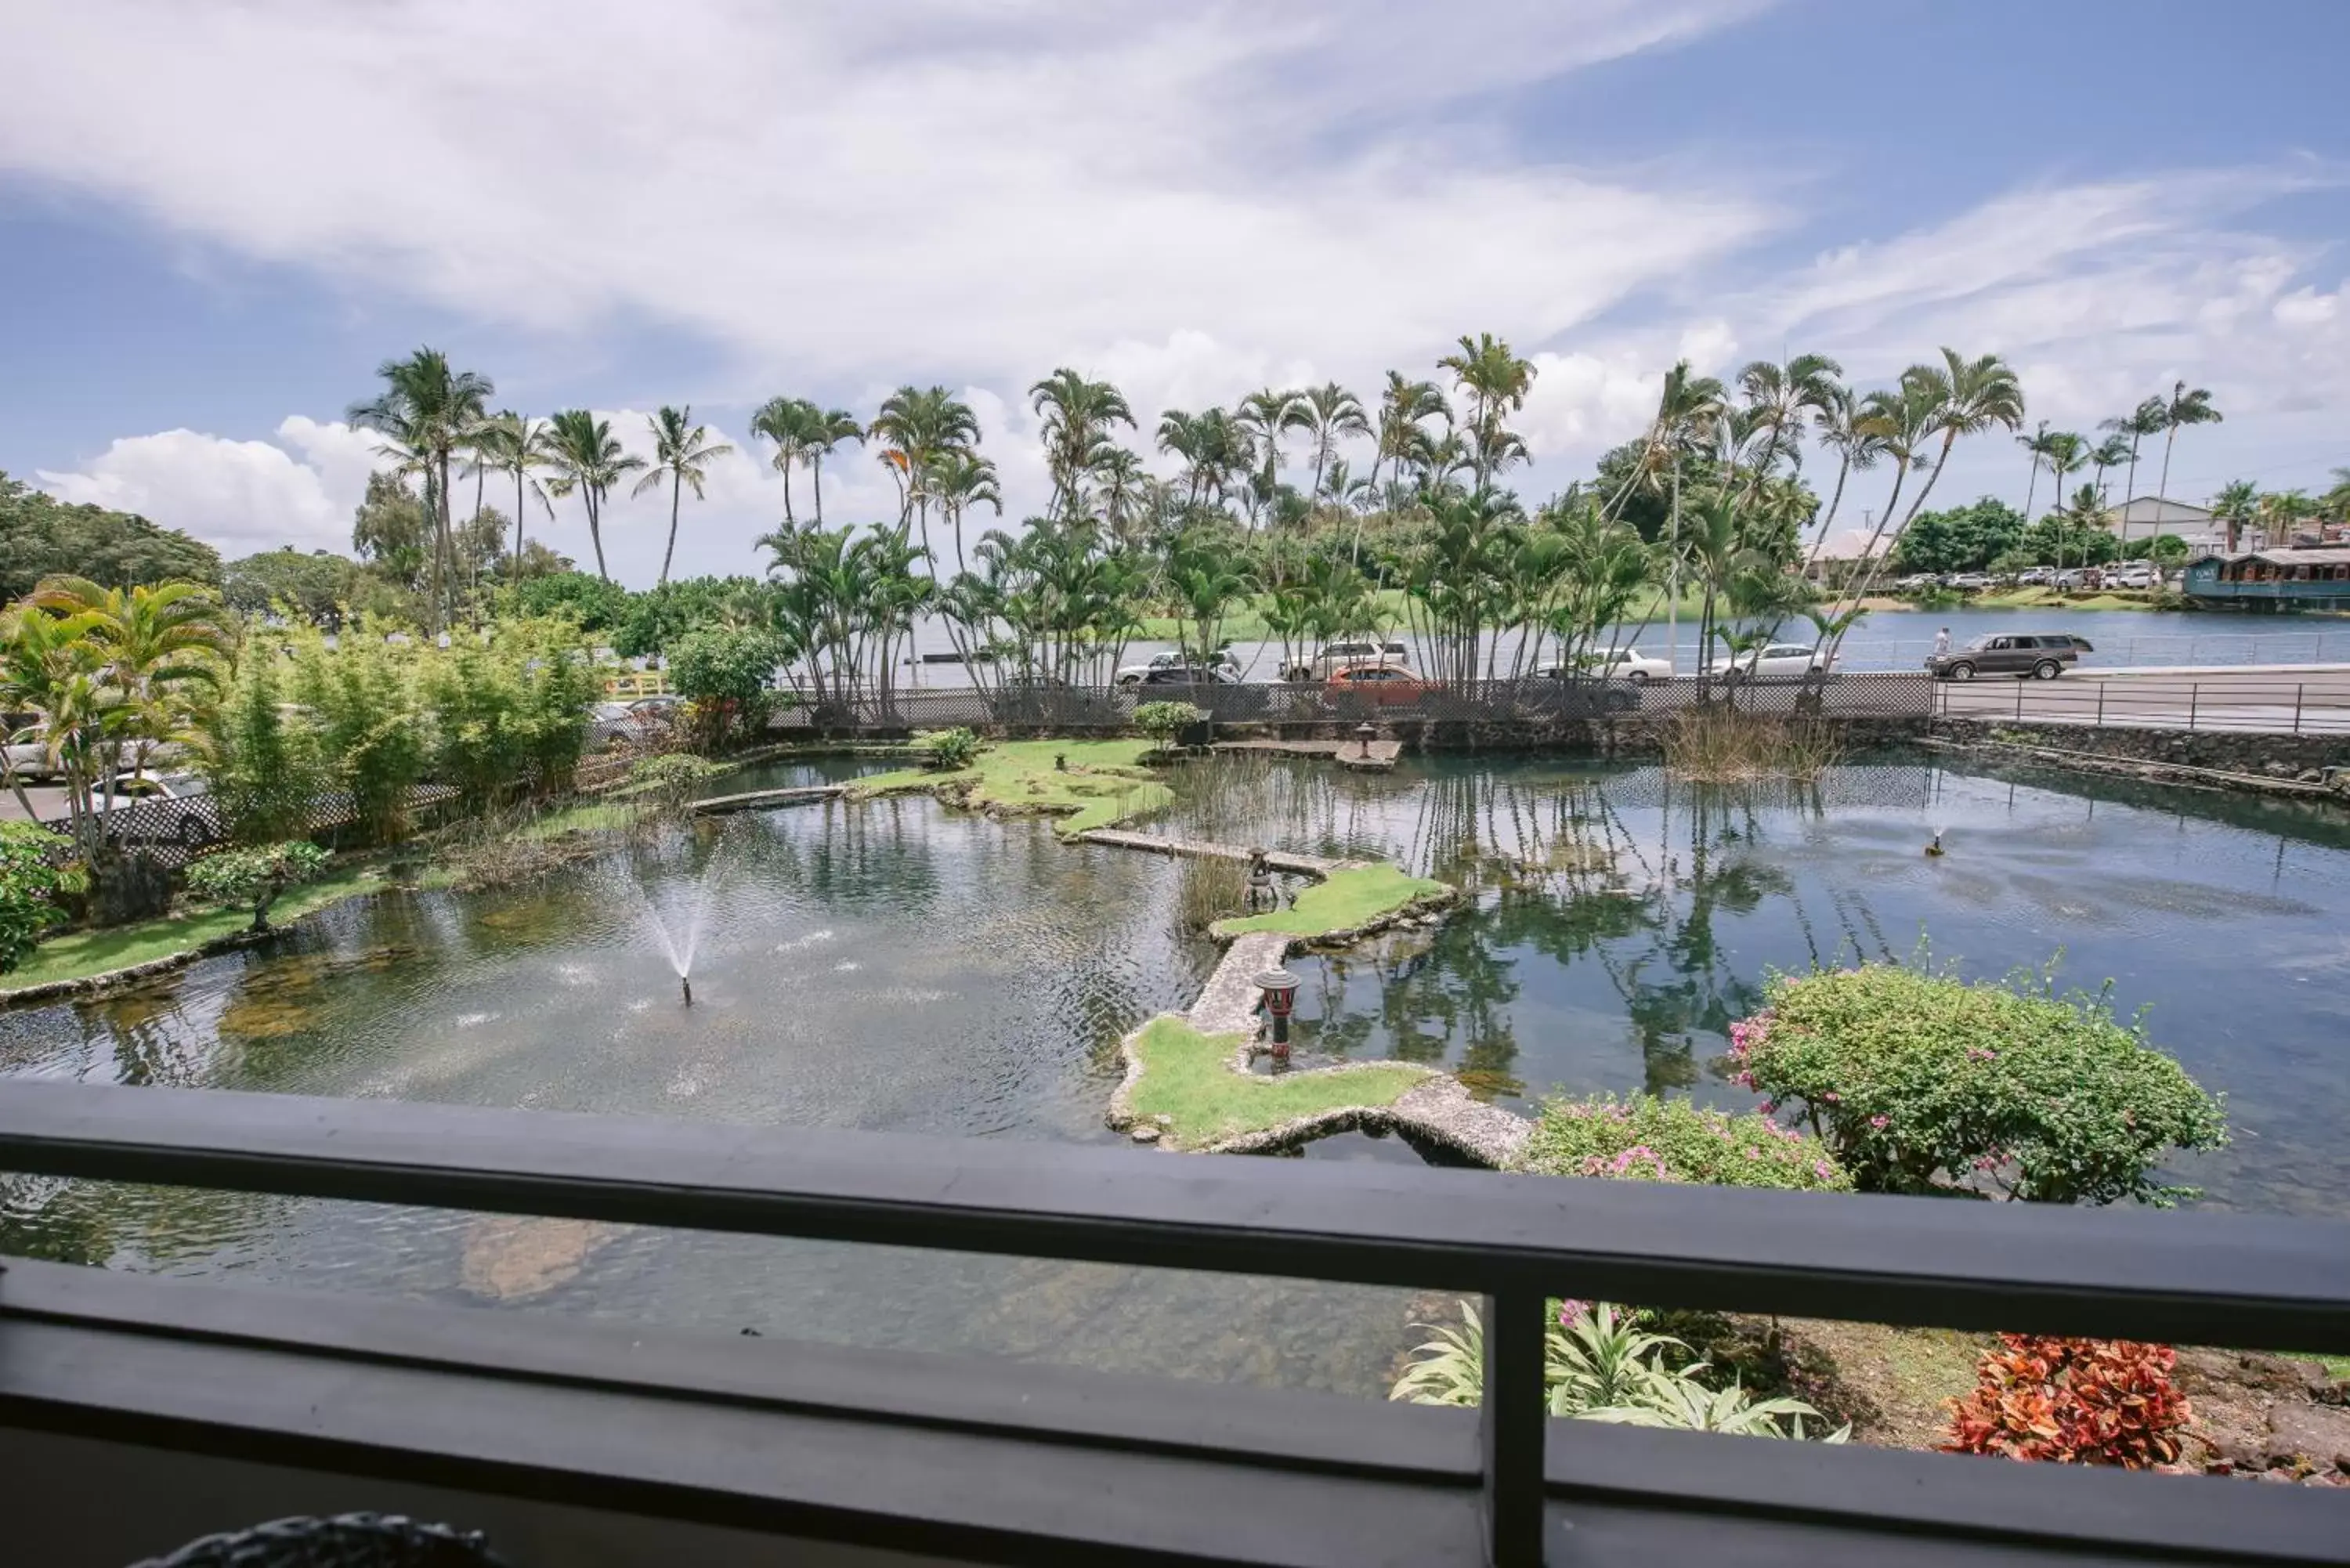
[[899, 966]]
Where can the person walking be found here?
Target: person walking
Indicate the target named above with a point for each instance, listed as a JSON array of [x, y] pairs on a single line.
[[1941, 642]]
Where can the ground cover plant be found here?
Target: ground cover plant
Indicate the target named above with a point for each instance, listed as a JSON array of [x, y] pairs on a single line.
[[2072, 1401], [1648, 1138], [1188, 1077], [1086, 784], [29, 887], [256, 877], [1346, 900], [1918, 1080]]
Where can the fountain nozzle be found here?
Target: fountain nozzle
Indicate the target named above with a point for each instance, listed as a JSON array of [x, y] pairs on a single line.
[[686, 986]]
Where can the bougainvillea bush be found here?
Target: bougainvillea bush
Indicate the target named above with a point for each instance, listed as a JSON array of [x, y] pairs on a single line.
[[1646, 1138], [1918, 1080], [2073, 1401]]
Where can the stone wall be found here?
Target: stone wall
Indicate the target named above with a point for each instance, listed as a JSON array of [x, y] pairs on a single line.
[[1640, 736], [2301, 759]]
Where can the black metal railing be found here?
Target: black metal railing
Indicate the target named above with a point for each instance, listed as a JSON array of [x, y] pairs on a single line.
[[2188, 1278], [1893, 694], [2287, 703]]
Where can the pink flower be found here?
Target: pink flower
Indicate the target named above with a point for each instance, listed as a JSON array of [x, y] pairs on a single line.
[[1820, 1168], [1570, 1311], [1770, 1107], [1881, 1122], [1753, 1153], [1833, 1098]]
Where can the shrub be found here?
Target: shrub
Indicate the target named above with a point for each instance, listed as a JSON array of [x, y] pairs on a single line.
[[509, 715], [361, 698], [2075, 1401], [673, 777], [261, 758], [948, 750], [256, 876], [722, 671], [28, 887], [1161, 720], [1917, 1078], [1600, 1364], [1648, 1139]]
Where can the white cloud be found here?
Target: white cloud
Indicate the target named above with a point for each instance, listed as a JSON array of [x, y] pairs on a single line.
[[237, 495]]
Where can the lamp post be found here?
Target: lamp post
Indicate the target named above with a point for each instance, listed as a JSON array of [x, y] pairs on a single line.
[[1363, 734], [1279, 988]]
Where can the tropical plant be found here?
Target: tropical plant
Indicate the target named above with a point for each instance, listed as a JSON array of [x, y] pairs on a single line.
[[961, 479], [1077, 416], [2150, 418], [261, 755], [515, 445], [255, 876], [589, 460], [1919, 1082], [1648, 1137], [1329, 414], [917, 427], [2072, 1401], [2237, 504], [507, 715], [1162, 721], [682, 451], [29, 886], [724, 675], [2185, 407], [1495, 381], [1263, 417], [672, 779], [426, 412], [948, 751], [1684, 1402]]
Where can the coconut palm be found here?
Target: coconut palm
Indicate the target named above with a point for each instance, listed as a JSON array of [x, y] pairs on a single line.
[[1903, 421], [2185, 407], [1842, 430], [2036, 443], [1405, 408], [1118, 487], [2279, 511], [1078, 417], [2107, 454], [794, 425], [2237, 504], [1969, 397], [1496, 382], [587, 459], [515, 444], [427, 413], [2066, 454], [2147, 418], [1263, 416], [1330, 414], [961, 479], [682, 451], [833, 427], [915, 427], [1779, 398]]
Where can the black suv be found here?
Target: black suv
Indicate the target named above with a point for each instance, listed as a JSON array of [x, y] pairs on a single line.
[[2043, 655]]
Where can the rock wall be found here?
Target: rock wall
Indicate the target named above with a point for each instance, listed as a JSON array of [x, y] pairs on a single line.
[[2305, 766], [1640, 736]]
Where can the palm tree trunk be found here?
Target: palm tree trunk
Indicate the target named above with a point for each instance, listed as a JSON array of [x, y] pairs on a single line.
[[2162, 492], [1673, 580], [815, 475], [2032, 488], [595, 532], [788, 520], [676, 493]]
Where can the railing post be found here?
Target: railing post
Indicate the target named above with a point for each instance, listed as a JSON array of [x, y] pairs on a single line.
[[2019, 701], [2194, 688], [1511, 1429], [2101, 704], [2298, 689]]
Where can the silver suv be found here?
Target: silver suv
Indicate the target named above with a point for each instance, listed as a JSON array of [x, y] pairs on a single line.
[[1337, 656]]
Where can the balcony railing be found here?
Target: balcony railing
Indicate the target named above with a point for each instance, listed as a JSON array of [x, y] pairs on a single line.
[[977, 1461]]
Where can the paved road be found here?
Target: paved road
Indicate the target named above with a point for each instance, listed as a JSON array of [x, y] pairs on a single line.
[[2307, 698]]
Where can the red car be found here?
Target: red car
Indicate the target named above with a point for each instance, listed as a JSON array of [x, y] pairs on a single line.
[[1382, 684]]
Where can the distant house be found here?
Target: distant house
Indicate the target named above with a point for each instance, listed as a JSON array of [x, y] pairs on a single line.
[[2272, 580], [2144, 517]]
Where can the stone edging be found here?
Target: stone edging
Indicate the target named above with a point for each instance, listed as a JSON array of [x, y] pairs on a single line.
[[107, 980]]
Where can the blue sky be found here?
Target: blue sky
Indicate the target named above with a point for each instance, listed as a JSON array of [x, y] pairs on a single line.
[[215, 222]]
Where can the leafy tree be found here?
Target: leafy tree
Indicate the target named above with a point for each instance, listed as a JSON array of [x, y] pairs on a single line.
[[391, 530], [514, 445], [1495, 382], [29, 886], [589, 460], [41, 537], [682, 453], [1078, 417], [316, 585], [509, 717], [261, 755], [369, 728], [917, 427], [2237, 504], [592, 604], [653, 620], [723, 673], [257, 876], [1963, 539]]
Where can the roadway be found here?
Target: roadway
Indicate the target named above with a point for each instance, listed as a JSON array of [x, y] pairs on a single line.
[[2287, 698]]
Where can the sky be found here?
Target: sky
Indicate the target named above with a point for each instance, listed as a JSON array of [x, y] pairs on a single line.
[[216, 221]]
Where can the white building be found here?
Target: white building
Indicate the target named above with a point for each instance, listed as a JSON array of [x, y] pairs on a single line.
[[2144, 517]]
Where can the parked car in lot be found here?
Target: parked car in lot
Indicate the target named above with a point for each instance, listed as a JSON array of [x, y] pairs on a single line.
[[158, 808], [1555, 693], [2036, 576], [2131, 575], [1177, 666], [1372, 685], [1338, 656], [1967, 581], [2042, 657], [1188, 675], [1777, 661], [637, 721], [1613, 664]]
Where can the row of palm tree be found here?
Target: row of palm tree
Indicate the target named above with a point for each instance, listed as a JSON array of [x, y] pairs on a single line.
[[2067, 452]]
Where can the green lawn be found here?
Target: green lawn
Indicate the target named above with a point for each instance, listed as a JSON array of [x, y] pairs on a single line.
[[80, 955], [588, 816], [1105, 784], [1343, 901], [1187, 1078]]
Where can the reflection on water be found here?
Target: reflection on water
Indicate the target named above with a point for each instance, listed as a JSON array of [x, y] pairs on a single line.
[[896, 966]]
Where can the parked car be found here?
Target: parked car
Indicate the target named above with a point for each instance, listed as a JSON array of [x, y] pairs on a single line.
[[1136, 674], [2036, 576], [1337, 656], [636, 722], [1778, 661], [1613, 664], [1566, 695], [2043, 658], [158, 808], [1380, 685], [1968, 582], [2071, 577], [1186, 675], [2135, 575]]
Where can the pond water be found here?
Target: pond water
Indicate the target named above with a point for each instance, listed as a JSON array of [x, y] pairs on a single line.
[[899, 966]]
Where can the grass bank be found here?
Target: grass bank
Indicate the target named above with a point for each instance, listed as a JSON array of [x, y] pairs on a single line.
[[1104, 783], [77, 955], [1188, 1078], [1346, 900]]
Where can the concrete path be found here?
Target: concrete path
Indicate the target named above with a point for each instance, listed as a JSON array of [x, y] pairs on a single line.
[[1227, 1004], [759, 799]]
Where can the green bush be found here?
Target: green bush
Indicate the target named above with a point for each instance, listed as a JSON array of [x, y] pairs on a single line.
[[674, 777], [722, 671], [510, 716], [1161, 720], [1648, 1139], [950, 750], [28, 888], [263, 758], [255, 876], [361, 697], [1917, 1080]]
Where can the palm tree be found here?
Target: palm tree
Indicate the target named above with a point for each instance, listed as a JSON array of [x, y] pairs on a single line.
[[2336, 500], [833, 427], [2237, 504], [587, 458], [794, 425], [1686, 408], [2109, 453], [427, 411], [1077, 415], [515, 444], [1778, 397], [1901, 422], [682, 450], [961, 479], [916, 426], [2185, 407], [2036, 443], [1405, 407], [1969, 397], [1841, 430], [1263, 416], [2066, 454], [2279, 511], [2147, 418], [1330, 414], [1497, 382]]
